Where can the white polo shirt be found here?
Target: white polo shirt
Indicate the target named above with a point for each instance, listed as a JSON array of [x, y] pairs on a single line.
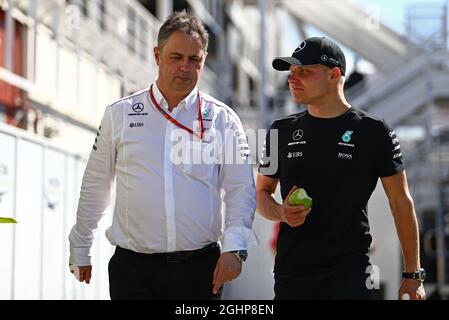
[[170, 186]]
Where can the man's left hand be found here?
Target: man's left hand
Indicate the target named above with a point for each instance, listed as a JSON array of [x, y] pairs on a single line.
[[228, 268], [413, 288]]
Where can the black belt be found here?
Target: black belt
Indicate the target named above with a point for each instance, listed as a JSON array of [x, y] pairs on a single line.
[[176, 256]]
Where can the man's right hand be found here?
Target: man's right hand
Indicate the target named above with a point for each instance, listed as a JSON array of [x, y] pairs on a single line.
[[294, 216], [82, 273]]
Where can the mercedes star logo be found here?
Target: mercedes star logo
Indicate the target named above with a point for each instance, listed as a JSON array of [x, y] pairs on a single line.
[[138, 107], [300, 47], [297, 135]]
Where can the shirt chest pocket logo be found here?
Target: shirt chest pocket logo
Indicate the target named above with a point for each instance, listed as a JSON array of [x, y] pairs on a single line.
[[199, 159]]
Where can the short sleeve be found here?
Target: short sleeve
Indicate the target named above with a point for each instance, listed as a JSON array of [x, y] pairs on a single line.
[[387, 154], [269, 159]]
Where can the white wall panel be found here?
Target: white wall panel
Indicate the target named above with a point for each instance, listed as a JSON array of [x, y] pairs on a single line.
[[75, 170], [67, 84], [257, 279], [108, 91], [71, 196], [46, 68], [102, 89], [34, 253], [53, 265], [116, 87], [28, 235], [386, 251], [80, 166], [7, 184], [105, 252], [87, 108]]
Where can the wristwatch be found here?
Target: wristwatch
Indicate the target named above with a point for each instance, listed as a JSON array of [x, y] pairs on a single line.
[[241, 255], [419, 275]]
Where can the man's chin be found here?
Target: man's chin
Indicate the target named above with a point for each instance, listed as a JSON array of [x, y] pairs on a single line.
[[300, 100], [183, 86], [182, 90], [182, 81]]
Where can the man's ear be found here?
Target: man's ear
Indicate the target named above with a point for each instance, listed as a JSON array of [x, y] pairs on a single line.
[[336, 73], [157, 55]]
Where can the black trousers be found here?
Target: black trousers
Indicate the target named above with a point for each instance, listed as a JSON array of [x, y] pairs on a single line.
[[340, 283], [186, 275]]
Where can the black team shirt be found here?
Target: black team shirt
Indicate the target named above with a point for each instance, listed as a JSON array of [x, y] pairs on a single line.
[[338, 162]]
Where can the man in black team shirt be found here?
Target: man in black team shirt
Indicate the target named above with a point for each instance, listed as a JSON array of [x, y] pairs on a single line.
[[336, 153]]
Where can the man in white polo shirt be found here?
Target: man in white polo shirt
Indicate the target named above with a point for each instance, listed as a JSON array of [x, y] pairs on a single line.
[[172, 151]]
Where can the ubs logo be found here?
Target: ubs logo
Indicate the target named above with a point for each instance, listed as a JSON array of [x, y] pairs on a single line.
[[136, 125], [294, 155]]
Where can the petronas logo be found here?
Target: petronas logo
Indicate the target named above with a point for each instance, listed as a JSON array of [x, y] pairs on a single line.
[[346, 137], [205, 113]]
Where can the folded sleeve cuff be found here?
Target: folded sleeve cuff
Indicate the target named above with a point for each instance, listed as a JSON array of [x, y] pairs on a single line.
[[238, 239], [80, 257]]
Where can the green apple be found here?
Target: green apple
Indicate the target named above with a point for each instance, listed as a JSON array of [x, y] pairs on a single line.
[[7, 220], [299, 197]]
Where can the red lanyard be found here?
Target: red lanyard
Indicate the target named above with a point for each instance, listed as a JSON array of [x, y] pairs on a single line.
[[172, 120]]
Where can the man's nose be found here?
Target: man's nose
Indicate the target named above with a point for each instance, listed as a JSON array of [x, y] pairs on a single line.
[[293, 78], [184, 65]]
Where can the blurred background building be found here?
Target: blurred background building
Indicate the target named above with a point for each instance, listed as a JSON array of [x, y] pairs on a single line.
[[63, 61]]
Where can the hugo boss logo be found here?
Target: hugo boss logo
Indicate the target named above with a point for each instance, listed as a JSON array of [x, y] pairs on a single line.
[[345, 156]]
